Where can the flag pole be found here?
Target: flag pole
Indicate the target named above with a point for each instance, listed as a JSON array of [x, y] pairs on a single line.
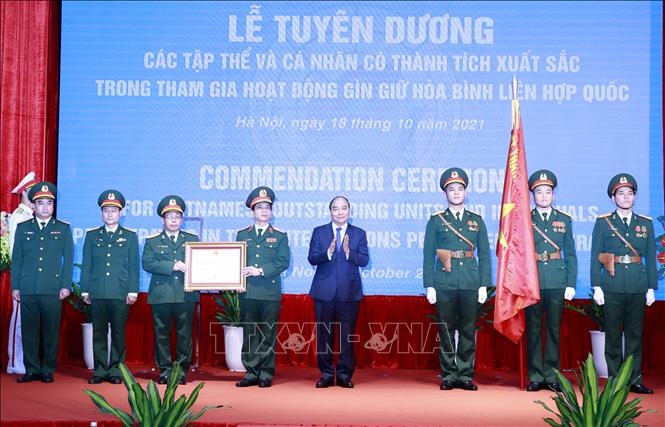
[[521, 348]]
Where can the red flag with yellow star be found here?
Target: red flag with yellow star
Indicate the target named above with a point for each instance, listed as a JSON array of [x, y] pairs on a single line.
[[517, 275]]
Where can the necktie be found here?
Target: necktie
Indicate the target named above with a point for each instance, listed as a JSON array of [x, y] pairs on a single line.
[[625, 221], [544, 216], [338, 238], [172, 238], [259, 231], [457, 215], [110, 235], [43, 224]]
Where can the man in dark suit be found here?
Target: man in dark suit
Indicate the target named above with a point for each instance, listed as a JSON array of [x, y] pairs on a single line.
[[41, 276], [268, 255], [338, 250], [455, 280], [624, 276], [164, 257], [110, 282], [557, 274]]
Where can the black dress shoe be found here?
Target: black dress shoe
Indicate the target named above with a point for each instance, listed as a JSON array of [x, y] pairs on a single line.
[[345, 382], [47, 378], [95, 379], [446, 385], [28, 378], [640, 389], [114, 379], [325, 382], [265, 382], [534, 386], [246, 382], [163, 379], [555, 386], [467, 385]]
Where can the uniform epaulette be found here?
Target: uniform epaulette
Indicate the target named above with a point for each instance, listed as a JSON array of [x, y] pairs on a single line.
[[563, 213], [19, 210], [277, 229], [133, 230], [153, 235], [604, 215], [438, 213], [247, 228], [64, 222], [645, 217], [91, 229], [471, 212]]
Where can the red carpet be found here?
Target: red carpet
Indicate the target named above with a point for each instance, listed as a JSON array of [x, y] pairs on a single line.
[[381, 397]]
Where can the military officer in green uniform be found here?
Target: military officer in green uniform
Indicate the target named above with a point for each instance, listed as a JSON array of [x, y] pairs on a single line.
[[557, 273], [456, 281], [110, 282], [268, 255], [164, 258], [41, 277], [624, 276]]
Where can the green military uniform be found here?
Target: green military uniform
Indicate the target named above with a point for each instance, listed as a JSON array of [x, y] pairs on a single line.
[[624, 292], [167, 294], [109, 272], [557, 270], [42, 264], [457, 289], [260, 305]]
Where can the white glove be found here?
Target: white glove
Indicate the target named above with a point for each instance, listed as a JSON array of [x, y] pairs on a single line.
[[650, 297], [431, 295], [569, 293], [482, 294], [598, 295]]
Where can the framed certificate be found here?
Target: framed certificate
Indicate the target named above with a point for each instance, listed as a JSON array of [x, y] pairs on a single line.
[[215, 266]]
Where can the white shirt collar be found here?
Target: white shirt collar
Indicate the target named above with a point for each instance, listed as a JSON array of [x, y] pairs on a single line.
[[342, 231]]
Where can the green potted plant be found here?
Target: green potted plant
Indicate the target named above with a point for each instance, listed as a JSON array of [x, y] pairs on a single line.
[[75, 299], [604, 409], [148, 408], [228, 313], [5, 256], [591, 310]]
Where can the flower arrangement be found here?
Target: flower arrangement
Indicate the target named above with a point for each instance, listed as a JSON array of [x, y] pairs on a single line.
[[660, 249], [5, 256]]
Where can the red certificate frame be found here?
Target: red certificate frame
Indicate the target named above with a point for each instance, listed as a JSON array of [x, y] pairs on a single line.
[[215, 266]]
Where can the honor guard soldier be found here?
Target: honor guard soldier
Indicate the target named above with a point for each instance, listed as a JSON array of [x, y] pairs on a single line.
[[456, 281], [41, 277], [624, 276], [557, 273], [110, 282], [23, 212], [164, 258], [268, 255]]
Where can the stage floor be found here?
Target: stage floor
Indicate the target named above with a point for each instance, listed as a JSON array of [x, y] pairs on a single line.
[[381, 397]]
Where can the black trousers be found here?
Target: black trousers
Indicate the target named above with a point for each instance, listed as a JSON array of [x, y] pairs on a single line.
[[330, 314]]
